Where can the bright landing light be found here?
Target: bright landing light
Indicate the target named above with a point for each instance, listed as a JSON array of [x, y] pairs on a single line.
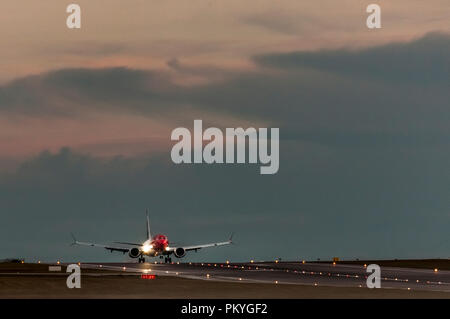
[[147, 248]]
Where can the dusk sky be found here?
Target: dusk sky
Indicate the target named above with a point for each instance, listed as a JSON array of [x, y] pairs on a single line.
[[364, 117]]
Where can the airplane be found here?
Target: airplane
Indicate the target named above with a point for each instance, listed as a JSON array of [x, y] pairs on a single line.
[[154, 246]]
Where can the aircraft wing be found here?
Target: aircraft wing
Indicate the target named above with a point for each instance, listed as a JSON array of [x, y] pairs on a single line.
[[107, 247], [127, 243], [197, 247]]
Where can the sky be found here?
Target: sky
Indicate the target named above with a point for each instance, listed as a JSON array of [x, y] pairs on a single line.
[[86, 117]]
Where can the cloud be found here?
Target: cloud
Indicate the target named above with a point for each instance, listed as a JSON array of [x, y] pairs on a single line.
[[363, 161], [384, 96], [280, 23], [393, 95], [297, 23], [73, 91], [90, 48], [425, 61], [322, 203], [363, 158]]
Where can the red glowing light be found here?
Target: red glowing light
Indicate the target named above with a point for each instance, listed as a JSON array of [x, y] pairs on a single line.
[[146, 276]]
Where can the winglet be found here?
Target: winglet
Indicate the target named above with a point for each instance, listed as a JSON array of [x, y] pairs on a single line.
[[231, 238], [74, 240]]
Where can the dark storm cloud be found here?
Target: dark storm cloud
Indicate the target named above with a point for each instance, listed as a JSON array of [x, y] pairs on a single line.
[[322, 203], [363, 160], [395, 94], [74, 91], [425, 61]]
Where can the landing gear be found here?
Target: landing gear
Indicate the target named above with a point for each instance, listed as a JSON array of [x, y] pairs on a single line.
[[167, 260], [141, 259]]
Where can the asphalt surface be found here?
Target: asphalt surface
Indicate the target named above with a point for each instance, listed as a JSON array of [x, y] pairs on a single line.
[[296, 273]]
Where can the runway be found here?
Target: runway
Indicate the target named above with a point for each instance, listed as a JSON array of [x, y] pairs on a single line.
[[296, 273]]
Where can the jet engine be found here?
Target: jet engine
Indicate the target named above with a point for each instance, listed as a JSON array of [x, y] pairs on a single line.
[[134, 252], [179, 252]]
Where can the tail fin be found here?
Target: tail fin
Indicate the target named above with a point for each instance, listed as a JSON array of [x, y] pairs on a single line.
[[149, 234]]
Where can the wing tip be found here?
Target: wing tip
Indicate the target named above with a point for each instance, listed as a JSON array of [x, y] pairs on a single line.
[[74, 242]]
